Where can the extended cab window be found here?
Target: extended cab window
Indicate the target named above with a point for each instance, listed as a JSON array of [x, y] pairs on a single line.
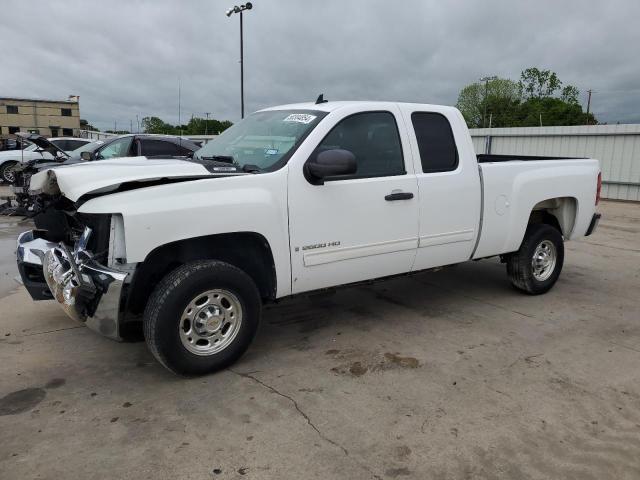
[[437, 146], [373, 139]]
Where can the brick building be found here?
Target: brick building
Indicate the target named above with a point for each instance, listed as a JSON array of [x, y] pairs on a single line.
[[51, 118]]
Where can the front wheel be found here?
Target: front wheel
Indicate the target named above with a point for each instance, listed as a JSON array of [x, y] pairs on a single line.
[[6, 172], [536, 266], [202, 317]]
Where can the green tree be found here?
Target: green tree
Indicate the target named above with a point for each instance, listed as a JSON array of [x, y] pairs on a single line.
[[84, 125], [539, 83], [570, 94], [551, 111], [539, 97], [196, 126], [156, 125], [499, 96]]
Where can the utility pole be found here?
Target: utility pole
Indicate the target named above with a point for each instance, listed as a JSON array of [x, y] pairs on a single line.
[[206, 125], [115, 126], [486, 81], [588, 104], [137, 125], [130, 126]]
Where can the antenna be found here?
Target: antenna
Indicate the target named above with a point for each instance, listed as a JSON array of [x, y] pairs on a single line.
[[321, 99]]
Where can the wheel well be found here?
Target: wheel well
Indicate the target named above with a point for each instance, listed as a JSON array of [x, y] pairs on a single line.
[[560, 213], [248, 251]]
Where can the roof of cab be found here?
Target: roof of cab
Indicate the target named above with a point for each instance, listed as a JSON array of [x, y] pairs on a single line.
[[329, 106]]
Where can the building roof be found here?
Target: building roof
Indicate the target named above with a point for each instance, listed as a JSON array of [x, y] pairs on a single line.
[[20, 99]]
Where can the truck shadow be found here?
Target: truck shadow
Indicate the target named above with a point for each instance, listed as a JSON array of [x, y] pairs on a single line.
[[305, 322]]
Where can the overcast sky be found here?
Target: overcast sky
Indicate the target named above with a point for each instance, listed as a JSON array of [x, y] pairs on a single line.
[[125, 58]]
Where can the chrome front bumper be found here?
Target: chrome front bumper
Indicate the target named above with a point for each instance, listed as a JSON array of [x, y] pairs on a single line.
[[86, 290]]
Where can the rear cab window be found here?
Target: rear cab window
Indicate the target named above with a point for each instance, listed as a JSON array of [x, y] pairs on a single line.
[[436, 144]]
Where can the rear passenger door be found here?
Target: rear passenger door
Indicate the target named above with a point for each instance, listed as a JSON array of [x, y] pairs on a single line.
[[355, 227], [449, 185]]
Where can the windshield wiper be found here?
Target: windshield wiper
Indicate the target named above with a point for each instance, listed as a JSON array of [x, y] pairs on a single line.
[[251, 168]]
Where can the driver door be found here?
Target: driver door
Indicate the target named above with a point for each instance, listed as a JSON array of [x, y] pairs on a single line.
[[357, 227]]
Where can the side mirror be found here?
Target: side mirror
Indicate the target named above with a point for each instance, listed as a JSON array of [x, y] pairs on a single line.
[[88, 156], [328, 164]]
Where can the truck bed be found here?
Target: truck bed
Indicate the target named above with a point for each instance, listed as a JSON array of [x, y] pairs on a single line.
[[512, 187]]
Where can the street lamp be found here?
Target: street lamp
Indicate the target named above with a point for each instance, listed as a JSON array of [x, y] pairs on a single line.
[[486, 81], [231, 11]]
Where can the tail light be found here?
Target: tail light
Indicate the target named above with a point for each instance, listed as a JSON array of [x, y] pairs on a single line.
[[599, 188]]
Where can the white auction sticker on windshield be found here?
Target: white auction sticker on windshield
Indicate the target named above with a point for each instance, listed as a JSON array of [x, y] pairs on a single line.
[[300, 118]]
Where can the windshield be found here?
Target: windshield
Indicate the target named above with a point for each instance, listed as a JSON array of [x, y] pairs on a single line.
[[263, 139], [31, 148]]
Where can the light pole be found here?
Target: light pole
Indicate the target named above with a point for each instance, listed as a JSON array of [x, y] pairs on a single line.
[[486, 81], [231, 11]]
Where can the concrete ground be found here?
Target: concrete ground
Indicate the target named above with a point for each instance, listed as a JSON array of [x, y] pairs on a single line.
[[447, 375]]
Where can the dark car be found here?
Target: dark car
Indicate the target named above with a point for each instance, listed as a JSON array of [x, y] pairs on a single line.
[[130, 145]]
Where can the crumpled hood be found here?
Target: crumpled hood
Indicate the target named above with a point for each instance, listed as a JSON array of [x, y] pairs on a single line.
[[104, 176]]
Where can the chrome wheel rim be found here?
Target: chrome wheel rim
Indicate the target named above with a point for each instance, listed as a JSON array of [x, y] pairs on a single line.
[[210, 322], [544, 260]]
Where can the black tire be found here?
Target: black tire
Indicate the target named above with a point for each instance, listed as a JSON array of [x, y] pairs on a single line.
[[162, 315], [4, 171], [519, 264]]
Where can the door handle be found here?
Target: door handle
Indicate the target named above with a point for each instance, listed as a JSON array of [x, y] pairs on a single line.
[[398, 196]]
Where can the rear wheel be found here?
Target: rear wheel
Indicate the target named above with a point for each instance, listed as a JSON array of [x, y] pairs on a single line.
[[202, 317], [6, 172], [536, 266]]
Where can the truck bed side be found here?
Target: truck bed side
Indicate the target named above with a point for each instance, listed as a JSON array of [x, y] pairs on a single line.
[[514, 189]]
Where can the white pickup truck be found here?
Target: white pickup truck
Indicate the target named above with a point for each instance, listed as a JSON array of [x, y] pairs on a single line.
[[292, 199]]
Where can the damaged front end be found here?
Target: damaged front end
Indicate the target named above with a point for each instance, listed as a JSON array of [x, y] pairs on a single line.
[[87, 290]]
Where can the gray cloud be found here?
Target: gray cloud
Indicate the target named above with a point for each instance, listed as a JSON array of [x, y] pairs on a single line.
[[126, 58]]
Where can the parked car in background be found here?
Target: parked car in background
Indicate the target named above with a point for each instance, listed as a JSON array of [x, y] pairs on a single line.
[[289, 200], [129, 145], [46, 151], [12, 144]]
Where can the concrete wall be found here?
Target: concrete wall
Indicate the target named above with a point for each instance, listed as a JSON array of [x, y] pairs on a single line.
[[40, 116], [616, 146]]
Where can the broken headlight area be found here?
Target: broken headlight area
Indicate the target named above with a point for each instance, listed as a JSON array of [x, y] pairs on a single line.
[[85, 289]]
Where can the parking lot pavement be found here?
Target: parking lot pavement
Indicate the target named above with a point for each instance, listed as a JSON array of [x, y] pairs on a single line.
[[10, 227], [451, 374]]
